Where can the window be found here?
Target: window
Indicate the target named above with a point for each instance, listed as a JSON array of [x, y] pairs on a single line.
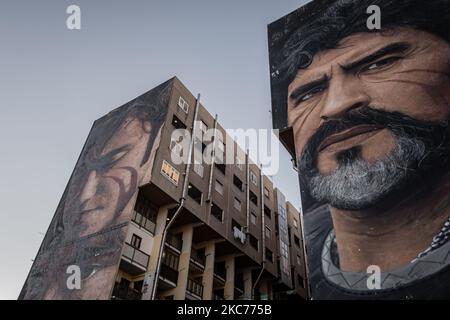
[[296, 241], [267, 212], [268, 232], [171, 260], [177, 123], [253, 198], [237, 182], [176, 147], [183, 104], [299, 260], [300, 281], [239, 163], [194, 193], [137, 285], [284, 258], [220, 166], [295, 223], [217, 212], [269, 255], [219, 187], [253, 218], [170, 172], [237, 204], [220, 152], [198, 168], [202, 126], [238, 234], [266, 192], [253, 178], [144, 214], [253, 242], [136, 241]]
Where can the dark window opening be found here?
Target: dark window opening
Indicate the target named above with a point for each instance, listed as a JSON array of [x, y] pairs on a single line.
[[217, 212], [235, 224], [221, 167], [138, 285], [253, 198], [269, 255], [177, 123], [253, 242], [144, 214], [194, 193], [170, 260], [267, 212], [237, 182], [136, 241], [296, 241], [301, 282]]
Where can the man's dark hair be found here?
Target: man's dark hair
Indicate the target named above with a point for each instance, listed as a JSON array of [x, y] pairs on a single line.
[[295, 39]]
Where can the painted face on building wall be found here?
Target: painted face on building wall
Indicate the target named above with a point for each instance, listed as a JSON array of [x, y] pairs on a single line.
[[112, 176], [368, 115], [90, 223]]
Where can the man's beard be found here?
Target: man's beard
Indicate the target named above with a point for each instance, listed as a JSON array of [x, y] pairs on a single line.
[[421, 148]]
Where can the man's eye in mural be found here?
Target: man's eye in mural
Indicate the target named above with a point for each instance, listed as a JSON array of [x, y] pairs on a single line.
[[312, 94], [380, 65], [308, 91]]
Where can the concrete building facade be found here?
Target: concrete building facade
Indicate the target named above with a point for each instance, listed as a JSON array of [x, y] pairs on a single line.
[[200, 231]]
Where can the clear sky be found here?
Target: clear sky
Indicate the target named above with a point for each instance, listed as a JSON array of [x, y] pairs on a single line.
[[55, 82]]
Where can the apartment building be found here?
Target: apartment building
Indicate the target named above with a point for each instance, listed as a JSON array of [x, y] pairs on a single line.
[[201, 231]]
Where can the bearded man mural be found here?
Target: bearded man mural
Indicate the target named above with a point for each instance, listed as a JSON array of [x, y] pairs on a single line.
[[366, 115]]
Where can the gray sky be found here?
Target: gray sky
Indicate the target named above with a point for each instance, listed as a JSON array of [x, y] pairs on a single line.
[[55, 82]]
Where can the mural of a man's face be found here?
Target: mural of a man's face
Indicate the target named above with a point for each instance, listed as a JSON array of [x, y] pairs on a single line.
[[111, 182], [368, 114]]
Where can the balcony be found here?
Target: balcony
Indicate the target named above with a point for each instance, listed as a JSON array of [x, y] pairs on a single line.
[[169, 270], [239, 284], [121, 293], [175, 242], [169, 276], [219, 274], [195, 289], [217, 297], [144, 222], [198, 260], [134, 261]]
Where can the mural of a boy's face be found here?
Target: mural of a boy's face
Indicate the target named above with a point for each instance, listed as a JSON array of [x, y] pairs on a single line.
[[363, 113], [111, 181]]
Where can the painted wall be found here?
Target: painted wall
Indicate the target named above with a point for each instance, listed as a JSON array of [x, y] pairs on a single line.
[[363, 107], [91, 221]]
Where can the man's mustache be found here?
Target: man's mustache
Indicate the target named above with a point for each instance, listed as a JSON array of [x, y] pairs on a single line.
[[398, 123]]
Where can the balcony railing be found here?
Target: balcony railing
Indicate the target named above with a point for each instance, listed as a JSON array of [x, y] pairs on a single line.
[[144, 222], [174, 241], [220, 272], [135, 256], [121, 293], [218, 297], [198, 257], [195, 288], [169, 273], [239, 282]]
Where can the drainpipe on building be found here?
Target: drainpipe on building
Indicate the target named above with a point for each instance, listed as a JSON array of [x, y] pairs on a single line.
[[180, 206], [263, 235], [213, 161], [305, 256], [247, 194]]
